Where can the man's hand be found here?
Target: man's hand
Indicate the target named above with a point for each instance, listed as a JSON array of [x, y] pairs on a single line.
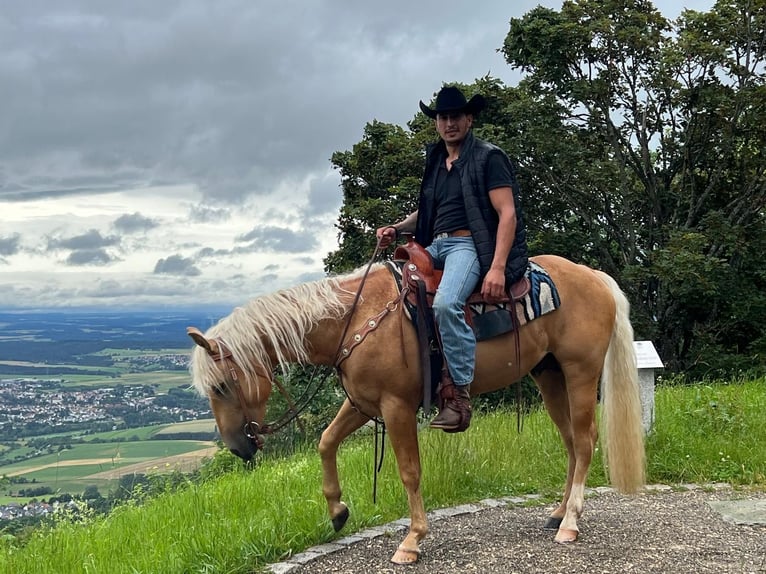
[[386, 236], [493, 287]]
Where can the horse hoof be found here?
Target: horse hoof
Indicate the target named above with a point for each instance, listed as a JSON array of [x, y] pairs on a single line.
[[565, 536], [405, 556], [339, 521], [553, 523]]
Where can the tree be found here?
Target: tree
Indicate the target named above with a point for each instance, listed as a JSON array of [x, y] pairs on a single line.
[[91, 493], [380, 181], [639, 142], [671, 116]]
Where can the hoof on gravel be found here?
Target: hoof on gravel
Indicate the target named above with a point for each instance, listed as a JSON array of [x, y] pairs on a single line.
[[405, 556], [553, 523], [564, 536], [339, 521]]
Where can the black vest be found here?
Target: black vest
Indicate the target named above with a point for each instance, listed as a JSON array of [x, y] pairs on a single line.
[[482, 217]]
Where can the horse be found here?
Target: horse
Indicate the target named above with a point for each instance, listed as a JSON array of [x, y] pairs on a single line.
[[587, 339]]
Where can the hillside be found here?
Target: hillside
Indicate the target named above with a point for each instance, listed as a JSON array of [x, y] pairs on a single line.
[[80, 388]]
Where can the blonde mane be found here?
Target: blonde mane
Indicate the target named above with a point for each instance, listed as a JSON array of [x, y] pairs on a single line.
[[273, 325]]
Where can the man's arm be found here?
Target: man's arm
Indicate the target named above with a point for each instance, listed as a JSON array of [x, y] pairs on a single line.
[[501, 198], [386, 235]]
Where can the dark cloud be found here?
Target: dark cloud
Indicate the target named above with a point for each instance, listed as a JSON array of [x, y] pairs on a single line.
[[207, 252], [176, 265], [207, 214], [232, 100], [325, 196], [280, 239], [90, 240], [134, 222], [89, 257], [10, 245]]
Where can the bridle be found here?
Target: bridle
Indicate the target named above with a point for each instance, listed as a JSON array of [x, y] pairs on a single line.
[[255, 431], [252, 429]]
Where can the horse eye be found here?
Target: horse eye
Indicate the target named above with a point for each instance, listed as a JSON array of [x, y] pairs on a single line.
[[220, 390]]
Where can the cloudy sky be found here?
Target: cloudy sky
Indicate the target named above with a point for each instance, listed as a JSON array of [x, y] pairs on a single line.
[[176, 152]]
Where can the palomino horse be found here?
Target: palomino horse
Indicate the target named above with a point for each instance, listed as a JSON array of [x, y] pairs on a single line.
[[588, 337]]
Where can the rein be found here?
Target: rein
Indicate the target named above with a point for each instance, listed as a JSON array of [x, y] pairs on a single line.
[[344, 351], [252, 429]]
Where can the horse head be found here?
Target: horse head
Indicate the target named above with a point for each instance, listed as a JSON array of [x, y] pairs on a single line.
[[237, 391]]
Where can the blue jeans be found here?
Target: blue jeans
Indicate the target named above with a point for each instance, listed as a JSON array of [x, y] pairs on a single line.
[[457, 256]]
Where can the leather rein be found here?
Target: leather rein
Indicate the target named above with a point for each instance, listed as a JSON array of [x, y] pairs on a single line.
[[252, 429], [255, 431]]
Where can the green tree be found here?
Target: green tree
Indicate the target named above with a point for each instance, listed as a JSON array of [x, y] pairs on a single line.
[[664, 124], [639, 142], [381, 176]]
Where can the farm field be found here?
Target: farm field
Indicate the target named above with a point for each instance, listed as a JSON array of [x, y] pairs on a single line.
[[150, 432], [102, 464], [88, 396], [161, 380]]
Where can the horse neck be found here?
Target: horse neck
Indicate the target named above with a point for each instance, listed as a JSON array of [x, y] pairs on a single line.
[[324, 341], [325, 338]]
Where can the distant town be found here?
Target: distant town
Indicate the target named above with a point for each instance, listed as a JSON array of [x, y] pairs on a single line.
[[32, 406], [68, 376]]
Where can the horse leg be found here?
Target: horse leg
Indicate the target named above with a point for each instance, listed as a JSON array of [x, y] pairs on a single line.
[[345, 422], [582, 410], [553, 390], [401, 426]]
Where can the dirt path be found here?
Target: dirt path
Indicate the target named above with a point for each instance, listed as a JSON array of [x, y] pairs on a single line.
[[658, 532]]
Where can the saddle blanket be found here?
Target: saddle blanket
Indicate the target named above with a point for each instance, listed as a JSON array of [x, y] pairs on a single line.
[[489, 319]]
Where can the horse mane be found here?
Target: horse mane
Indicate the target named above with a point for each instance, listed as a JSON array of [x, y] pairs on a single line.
[[275, 324]]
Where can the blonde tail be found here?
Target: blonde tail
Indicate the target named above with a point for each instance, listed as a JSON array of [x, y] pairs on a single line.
[[621, 424]]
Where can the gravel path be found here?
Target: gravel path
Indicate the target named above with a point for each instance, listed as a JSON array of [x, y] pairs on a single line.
[[659, 531]]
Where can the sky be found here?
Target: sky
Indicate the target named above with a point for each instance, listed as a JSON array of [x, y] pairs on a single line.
[[176, 153]]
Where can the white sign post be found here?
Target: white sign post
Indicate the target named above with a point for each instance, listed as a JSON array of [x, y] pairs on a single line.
[[647, 360]]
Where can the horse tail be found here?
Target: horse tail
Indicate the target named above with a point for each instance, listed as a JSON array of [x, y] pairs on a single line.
[[621, 421]]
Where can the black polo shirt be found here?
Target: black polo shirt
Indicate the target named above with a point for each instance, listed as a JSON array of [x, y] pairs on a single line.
[[450, 207]]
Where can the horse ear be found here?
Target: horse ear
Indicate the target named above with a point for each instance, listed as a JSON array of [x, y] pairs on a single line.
[[199, 338]]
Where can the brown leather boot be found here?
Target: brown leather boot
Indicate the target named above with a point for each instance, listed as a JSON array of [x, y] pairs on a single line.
[[455, 413]]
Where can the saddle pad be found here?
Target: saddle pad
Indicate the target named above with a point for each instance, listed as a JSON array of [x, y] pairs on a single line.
[[489, 319]]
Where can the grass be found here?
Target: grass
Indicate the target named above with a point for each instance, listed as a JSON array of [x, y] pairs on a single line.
[[709, 433], [245, 519]]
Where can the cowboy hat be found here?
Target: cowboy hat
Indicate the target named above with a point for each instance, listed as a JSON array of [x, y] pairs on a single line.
[[450, 100]]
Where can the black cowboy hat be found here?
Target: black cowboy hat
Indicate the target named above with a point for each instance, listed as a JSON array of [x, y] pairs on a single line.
[[450, 100]]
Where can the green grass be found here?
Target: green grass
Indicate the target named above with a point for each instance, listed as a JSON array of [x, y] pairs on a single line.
[[709, 433], [246, 519]]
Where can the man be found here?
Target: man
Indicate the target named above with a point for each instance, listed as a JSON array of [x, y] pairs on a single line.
[[469, 220]]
